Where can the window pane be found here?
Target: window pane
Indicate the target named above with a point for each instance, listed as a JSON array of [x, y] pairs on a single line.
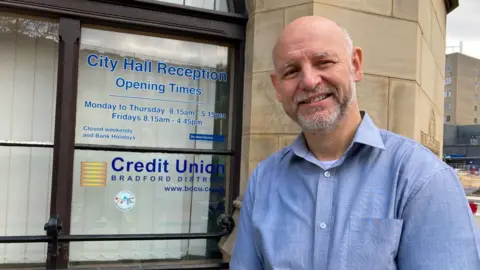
[[218, 5], [28, 73], [207, 4], [179, 2], [148, 91], [25, 187], [133, 193], [221, 5]]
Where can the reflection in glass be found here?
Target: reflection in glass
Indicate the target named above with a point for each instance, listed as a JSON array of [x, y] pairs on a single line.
[[25, 186], [148, 91], [134, 193], [28, 68], [28, 74], [218, 5]]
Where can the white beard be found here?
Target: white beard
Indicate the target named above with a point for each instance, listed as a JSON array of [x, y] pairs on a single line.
[[317, 123]]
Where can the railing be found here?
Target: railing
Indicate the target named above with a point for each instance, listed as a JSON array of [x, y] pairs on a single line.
[[469, 177], [54, 236]]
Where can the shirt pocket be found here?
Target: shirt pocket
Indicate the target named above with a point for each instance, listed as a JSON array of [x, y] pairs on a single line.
[[373, 243]]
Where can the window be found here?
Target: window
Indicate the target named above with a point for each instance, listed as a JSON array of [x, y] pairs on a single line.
[[474, 120], [28, 68], [476, 97], [139, 90], [448, 106], [28, 50], [145, 95], [447, 118], [146, 193], [149, 149], [475, 108], [448, 68], [219, 5], [448, 81], [448, 93]]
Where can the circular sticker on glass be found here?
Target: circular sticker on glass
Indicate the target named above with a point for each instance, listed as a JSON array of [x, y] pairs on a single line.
[[125, 200]]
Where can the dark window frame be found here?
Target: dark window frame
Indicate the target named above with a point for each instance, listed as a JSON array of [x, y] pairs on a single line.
[[175, 21]]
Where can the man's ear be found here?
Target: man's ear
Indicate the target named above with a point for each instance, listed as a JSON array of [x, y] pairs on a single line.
[[357, 63], [274, 79]]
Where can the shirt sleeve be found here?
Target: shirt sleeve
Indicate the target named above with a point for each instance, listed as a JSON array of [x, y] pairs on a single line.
[[439, 230], [245, 255]]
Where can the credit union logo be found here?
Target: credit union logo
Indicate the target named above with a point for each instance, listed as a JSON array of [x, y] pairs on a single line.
[[121, 170], [125, 200], [93, 174]]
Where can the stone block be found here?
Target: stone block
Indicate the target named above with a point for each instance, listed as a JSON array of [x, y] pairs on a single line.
[[244, 164], [438, 45], [247, 103], [285, 140], [249, 45], [406, 9], [381, 7], [295, 12], [268, 115], [262, 146], [425, 15], [429, 121], [439, 98], [402, 111], [372, 95], [267, 27], [441, 14], [420, 38], [389, 44], [428, 73], [266, 5]]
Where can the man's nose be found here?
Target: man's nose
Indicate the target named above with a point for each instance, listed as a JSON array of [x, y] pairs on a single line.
[[309, 79]]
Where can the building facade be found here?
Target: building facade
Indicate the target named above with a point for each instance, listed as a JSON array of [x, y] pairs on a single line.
[[130, 127], [461, 89]]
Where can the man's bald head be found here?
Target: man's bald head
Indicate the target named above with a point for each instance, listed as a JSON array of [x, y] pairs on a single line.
[[308, 25], [316, 68]]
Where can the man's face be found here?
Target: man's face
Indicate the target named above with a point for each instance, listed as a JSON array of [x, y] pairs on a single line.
[[315, 76]]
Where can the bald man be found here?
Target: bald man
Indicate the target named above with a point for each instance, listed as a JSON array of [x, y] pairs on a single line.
[[346, 194]]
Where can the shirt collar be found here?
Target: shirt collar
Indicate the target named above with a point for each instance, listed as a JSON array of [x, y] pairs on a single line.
[[367, 134]]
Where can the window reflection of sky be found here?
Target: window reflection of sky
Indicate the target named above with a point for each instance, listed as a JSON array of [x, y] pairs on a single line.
[[159, 48], [218, 5]]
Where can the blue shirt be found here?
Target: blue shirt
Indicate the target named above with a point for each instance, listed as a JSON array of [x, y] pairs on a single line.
[[388, 203]]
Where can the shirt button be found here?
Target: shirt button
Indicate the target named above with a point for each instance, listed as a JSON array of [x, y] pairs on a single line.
[[326, 174], [323, 225]]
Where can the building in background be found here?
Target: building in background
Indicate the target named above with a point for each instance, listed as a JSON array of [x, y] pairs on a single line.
[[461, 106], [461, 133]]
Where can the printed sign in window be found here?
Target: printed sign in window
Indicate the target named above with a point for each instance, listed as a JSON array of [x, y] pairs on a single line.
[[147, 91]]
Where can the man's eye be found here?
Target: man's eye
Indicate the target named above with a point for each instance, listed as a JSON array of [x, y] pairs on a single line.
[[324, 63], [289, 72]]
